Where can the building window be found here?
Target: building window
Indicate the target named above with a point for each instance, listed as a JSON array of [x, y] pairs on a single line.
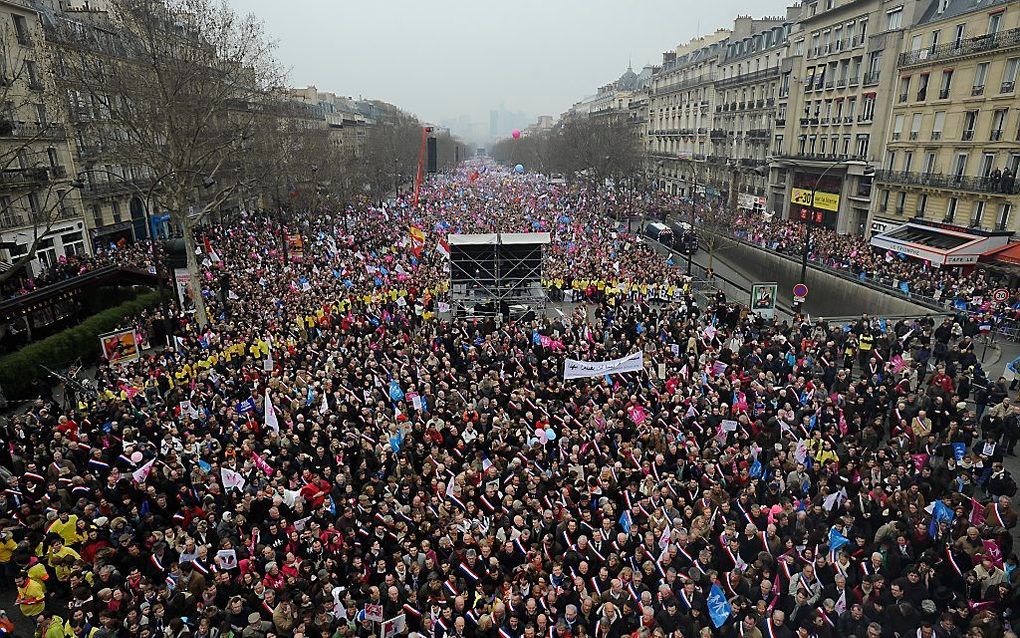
[[885, 200], [22, 30], [894, 18], [998, 123], [994, 22], [947, 84], [97, 215], [901, 199], [960, 165], [863, 141], [922, 204], [904, 89], [929, 162], [938, 125], [969, 123], [1009, 75], [1004, 210], [915, 126], [116, 212], [922, 89], [898, 127], [980, 76], [987, 161], [951, 209], [979, 212]]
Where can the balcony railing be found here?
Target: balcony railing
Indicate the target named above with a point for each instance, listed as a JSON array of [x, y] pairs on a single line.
[[759, 134], [950, 182], [903, 97], [822, 157], [1007, 87], [944, 94], [745, 78], [968, 136], [18, 176], [970, 46], [996, 136], [871, 78], [718, 134], [679, 86], [978, 90], [30, 130]]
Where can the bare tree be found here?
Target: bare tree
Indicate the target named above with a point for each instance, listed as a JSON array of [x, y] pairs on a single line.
[[35, 191], [391, 152], [596, 148], [183, 85]]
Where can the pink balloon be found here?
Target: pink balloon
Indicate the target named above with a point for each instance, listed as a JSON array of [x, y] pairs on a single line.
[[540, 434], [136, 457], [516, 134]]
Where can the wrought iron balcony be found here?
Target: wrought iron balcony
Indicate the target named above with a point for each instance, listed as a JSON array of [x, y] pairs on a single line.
[[23, 176], [971, 46], [967, 183]]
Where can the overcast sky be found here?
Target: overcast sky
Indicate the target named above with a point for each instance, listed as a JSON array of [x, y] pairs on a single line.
[[445, 58]]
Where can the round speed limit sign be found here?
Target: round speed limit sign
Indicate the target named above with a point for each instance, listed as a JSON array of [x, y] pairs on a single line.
[[1000, 295]]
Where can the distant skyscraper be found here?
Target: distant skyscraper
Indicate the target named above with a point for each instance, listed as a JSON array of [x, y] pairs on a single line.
[[493, 123]]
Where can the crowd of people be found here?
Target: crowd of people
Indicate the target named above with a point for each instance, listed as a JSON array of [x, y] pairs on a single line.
[[334, 455], [122, 253]]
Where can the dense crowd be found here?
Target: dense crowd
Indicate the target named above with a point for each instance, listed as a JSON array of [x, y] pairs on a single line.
[[133, 255], [854, 254], [334, 451]]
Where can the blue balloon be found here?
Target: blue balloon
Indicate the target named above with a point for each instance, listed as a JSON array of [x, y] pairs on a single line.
[[519, 168]]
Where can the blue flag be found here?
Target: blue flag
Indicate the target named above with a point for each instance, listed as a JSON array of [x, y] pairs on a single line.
[[205, 467], [883, 325], [959, 450], [1012, 366], [397, 440], [939, 512], [396, 393], [836, 540], [755, 470], [246, 406], [625, 521], [905, 287], [310, 396], [719, 609], [332, 506], [960, 304]]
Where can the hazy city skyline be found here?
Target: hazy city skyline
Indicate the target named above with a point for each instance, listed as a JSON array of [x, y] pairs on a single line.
[[473, 57]]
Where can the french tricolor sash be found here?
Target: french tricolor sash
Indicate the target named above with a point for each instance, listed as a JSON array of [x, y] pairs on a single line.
[[998, 515], [448, 586], [470, 574], [155, 562]]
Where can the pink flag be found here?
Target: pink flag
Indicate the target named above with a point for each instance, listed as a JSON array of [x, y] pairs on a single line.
[[261, 463], [142, 473], [919, 460], [843, 429], [637, 414], [977, 512], [897, 363], [991, 550]]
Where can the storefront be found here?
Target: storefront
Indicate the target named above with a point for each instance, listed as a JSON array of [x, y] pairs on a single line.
[[814, 201], [940, 244]]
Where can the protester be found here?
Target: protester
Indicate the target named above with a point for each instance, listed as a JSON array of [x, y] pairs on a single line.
[[334, 450]]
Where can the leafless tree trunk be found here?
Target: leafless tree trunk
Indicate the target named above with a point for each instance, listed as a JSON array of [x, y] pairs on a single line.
[[185, 84]]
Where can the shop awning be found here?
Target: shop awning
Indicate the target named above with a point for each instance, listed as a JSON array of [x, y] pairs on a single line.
[[1008, 254], [940, 244]]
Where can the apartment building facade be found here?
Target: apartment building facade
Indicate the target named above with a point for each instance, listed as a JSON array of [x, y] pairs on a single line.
[[953, 144], [747, 86], [834, 107], [681, 116], [39, 207]]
